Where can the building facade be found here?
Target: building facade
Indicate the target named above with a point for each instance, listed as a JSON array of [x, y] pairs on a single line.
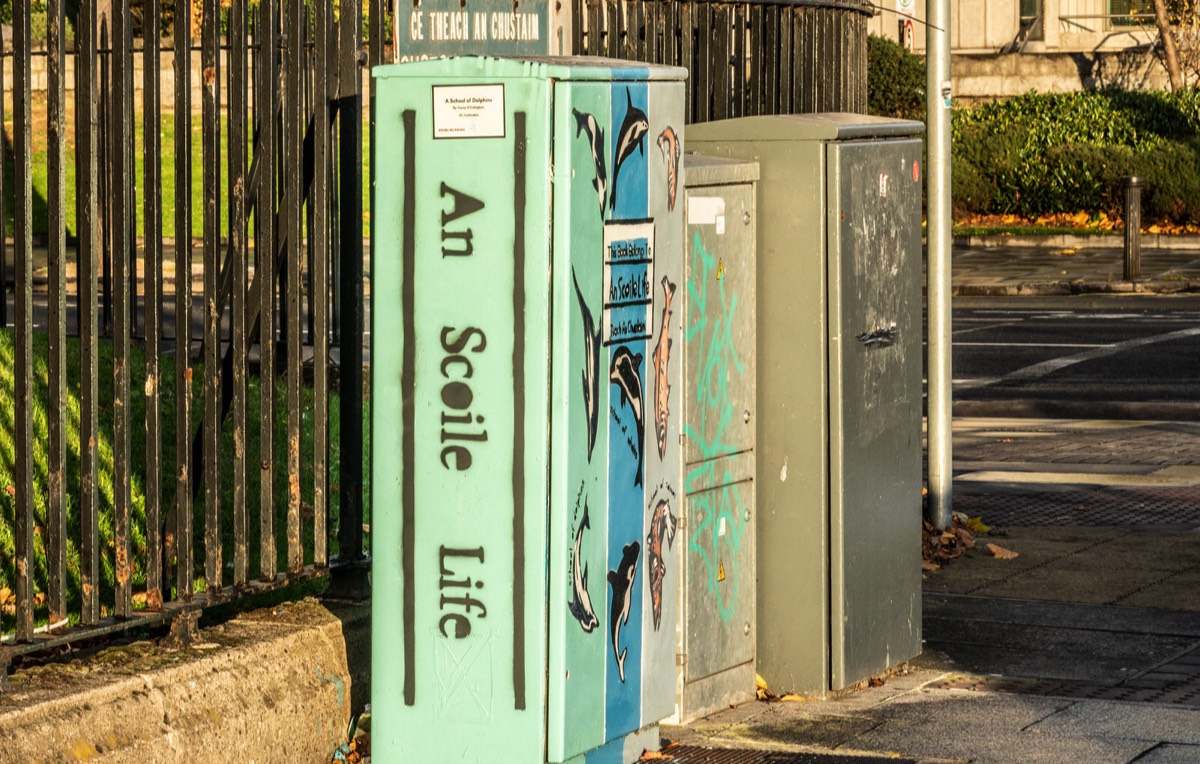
[[1004, 48]]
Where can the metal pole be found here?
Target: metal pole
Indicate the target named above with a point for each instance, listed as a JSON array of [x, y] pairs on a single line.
[[1133, 227], [937, 89]]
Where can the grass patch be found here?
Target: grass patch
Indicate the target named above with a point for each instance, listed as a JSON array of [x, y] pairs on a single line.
[[70, 411]]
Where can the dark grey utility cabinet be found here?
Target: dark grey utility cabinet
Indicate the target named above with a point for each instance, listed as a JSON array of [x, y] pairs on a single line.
[[839, 396]]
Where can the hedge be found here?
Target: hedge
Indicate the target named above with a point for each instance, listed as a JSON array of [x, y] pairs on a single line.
[[1048, 153], [1040, 154], [895, 80]]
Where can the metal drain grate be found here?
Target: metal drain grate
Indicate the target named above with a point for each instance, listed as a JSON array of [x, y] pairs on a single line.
[[689, 754], [1100, 506]]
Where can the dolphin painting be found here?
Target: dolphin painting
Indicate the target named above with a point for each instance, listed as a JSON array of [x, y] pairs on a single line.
[[591, 368], [631, 136], [581, 602], [586, 123], [621, 581], [623, 372]]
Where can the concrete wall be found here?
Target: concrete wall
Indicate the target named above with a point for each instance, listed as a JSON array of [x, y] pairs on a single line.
[[991, 76], [274, 685]]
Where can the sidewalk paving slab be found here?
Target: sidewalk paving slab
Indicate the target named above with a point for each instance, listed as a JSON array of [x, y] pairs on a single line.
[[1084, 648]]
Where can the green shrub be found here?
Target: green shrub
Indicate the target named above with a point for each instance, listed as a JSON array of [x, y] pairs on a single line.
[[974, 191], [1084, 177], [991, 170], [895, 80], [1050, 153], [1101, 118], [1172, 175]]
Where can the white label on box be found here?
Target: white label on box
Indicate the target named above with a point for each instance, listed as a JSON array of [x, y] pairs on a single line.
[[705, 210], [468, 111]]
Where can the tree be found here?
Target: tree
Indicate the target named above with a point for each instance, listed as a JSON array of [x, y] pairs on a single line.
[[1170, 47]]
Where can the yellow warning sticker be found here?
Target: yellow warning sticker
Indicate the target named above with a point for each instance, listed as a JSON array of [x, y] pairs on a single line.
[[720, 269], [720, 571]]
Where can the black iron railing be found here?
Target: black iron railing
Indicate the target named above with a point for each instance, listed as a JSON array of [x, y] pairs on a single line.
[[155, 468], [745, 57]]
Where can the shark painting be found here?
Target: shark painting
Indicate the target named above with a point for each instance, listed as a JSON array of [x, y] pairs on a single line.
[[662, 355], [591, 367], [668, 144], [662, 528], [631, 136], [581, 602]]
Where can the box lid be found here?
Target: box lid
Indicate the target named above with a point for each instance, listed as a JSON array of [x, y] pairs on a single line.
[[830, 126], [700, 170]]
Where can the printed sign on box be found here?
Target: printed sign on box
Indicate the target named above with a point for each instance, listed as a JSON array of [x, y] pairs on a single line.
[[439, 28]]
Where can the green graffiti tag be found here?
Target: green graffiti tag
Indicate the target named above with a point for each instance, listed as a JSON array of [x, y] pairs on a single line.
[[715, 513]]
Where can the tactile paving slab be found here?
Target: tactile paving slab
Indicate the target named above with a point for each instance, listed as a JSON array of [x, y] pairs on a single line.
[[1176, 683], [688, 754], [1099, 506]]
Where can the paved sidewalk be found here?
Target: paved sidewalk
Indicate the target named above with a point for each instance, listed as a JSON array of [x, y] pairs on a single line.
[[1007, 266], [1084, 648]]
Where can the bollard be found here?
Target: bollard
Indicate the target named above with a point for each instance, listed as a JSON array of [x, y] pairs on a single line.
[[1133, 226]]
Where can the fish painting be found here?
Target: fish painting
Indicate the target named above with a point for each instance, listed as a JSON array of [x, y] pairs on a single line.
[[631, 136], [591, 368], [662, 526], [586, 123], [623, 372], [668, 144], [621, 581], [662, 354], [581, 602]]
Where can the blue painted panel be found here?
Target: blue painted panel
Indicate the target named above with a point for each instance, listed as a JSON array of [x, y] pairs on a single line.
[[629, 251]]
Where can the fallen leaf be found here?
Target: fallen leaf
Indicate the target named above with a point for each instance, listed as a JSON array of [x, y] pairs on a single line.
[[652, 756], [154, 599], [930, 566], [975, 525], [761, 692], [1000, 553], [792, 697], [876, 681]]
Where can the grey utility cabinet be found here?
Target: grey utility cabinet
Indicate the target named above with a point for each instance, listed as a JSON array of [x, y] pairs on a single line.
[[718, 576], [839, 392]]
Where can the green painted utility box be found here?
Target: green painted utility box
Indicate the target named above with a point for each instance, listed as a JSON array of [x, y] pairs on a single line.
[[527, 259], [839, 392]]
